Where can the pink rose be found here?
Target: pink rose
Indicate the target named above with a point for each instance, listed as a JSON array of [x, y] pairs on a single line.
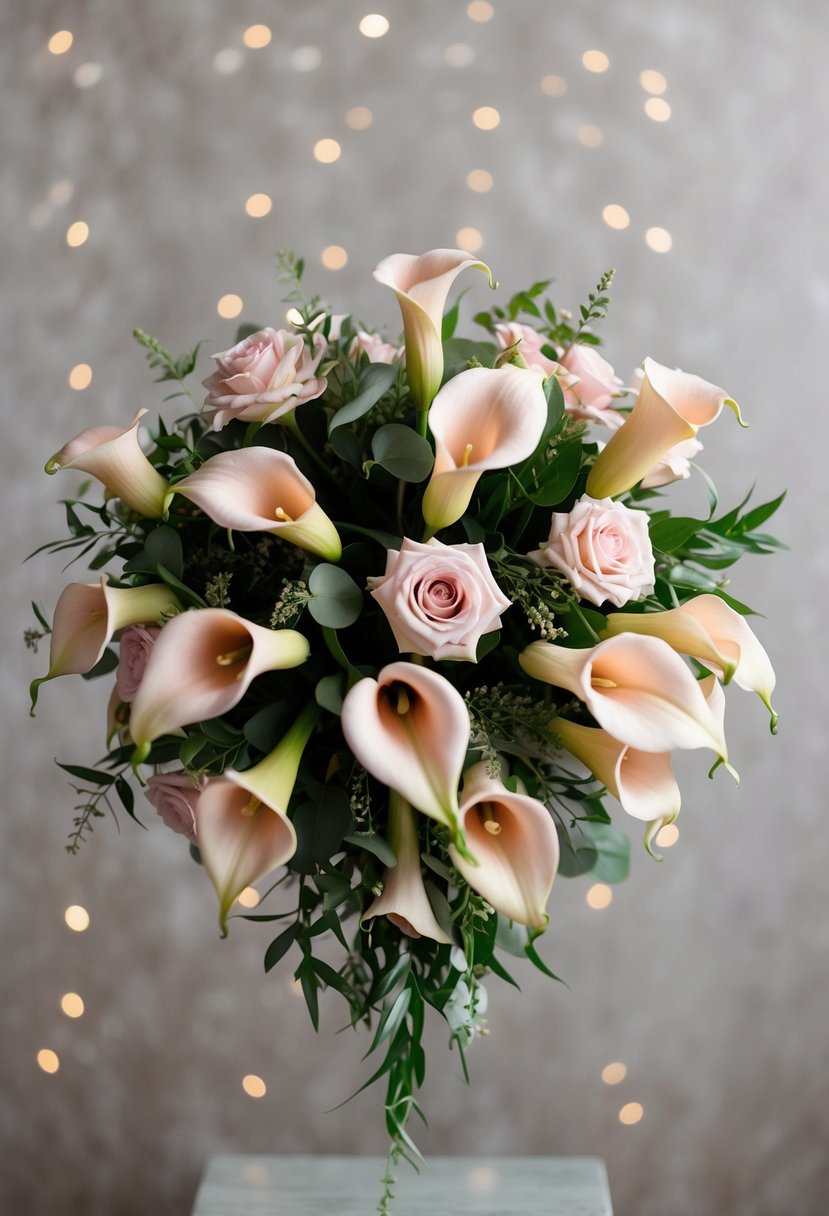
[[174, 796], [531, 342], [604, 549], [135, 648], [264, 376], [595, 387], [373, 345], [439, 599]]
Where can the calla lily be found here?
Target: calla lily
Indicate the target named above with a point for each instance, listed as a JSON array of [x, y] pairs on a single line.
[[87, 615], [409, 728], [115, 457], [201, 666], [403, 898], [262, 490], [421, 285], [707, 629], [484, 418], [515, 844], [671, 407], [636, 688], [242, 826]]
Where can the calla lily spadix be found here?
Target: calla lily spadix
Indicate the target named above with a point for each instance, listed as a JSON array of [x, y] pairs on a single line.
[[201, 666], [636, 688], [410, 728], [261, 490], [421, 285], [708, 629], [242, 825], [114, 456], [515, 844], [88, 615], [483, 418], [403, 898], [671, 407]]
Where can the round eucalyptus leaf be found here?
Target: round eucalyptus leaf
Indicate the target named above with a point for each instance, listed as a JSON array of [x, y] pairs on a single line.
[[336, 600]]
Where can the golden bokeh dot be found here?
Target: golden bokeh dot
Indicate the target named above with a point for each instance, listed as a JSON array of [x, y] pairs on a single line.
[[296, 987], [48, 1060], [258, 205], [612, 1074], [374, 25], [254, 1086], [631, 1113], [657, 109], [652, 81], [257, 36], [77, 918], [80, 376], [77, 233], [590, 136], [615, 216], [333, 257], [249, 897], [60, 42], [479, 180], [667, 836], [469, 239], [658, 239], [486, 118], [359, 118], [553, 86], [327, 151], [71, 1004], [480, 10], [230, 306], [599, 896], [595, 61]]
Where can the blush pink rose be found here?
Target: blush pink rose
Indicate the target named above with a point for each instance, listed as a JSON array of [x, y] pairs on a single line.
[[175, 797], [135, 648], [439, 599], [604, 549], [531, 342], [375, 347], [264, 376], [595, 384]]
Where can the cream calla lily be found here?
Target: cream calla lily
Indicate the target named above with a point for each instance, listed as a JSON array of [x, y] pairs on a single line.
[[114, 456], [483, 418], [636, 688], [671, 407], [261, 490], [242, 825], [201, 666], [421, 285], [409, 728], [707, 629], [403, 898], [88, 615], [515, 844]]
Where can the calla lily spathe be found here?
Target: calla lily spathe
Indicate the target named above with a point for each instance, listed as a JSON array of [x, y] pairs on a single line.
[[261, 490], [88, 615], [421, 285], [410, 728], [707, 629], [483, 418], [403, 898], [114, 457], [636, 688], [242, 825], [671, 407], [201, 666], [515, 844]]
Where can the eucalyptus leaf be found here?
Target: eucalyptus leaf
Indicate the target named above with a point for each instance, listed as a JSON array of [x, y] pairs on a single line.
[[376, 380], [330, 692], [336, 600], [163, 548], [375, 844], [320, 825], [402, 452]]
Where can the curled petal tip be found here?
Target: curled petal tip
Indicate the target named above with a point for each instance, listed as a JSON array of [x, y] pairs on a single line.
[[732, 405]]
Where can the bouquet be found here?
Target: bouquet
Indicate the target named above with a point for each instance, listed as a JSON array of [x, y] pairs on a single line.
[[400, 629]]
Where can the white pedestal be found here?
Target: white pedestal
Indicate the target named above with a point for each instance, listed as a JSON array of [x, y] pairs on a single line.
[[448, 1186]]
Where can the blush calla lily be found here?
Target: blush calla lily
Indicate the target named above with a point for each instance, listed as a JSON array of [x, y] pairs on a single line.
[[410, 728], [707, 629], [421, 285], [88, 615], [484, 418], [515, 844], [201, 666], [403, 898], [636, 688], [114, 457], [671, 407], [261, 490], [242, 825]]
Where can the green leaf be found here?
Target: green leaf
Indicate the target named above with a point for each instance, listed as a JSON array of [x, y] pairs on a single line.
[[181, 589], [90, 775], [320, 825], [163, 548], [458, 352], [608, 852], [330, 692], [280, 945], [759, 515], [556, 482], [538, 962], [246, 330], [672, 533], [268, 725], [402, 452], [309, 982], [337, 600], [450, 320], [398, 971], [391, 1019], [377, 845], [486, 643], [376, 380], [190, 748], [107, 662]]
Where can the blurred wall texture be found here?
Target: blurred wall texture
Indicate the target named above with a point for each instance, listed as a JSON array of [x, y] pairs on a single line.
[[707, 976]]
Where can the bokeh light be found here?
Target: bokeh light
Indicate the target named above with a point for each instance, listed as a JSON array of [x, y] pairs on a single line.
[[631, 1113], [479, 180], [657, 109], [77, 918], [72, 1005], [80, 376], [77, 234], [254, 1086], [613, 1074], [595, 61], [359, 118], [615, 216], [60, 42], [652, 81], [258, 205], [326, 151], [599, 896], [667, 836], [333, 257], [249, 897], [480, 10], [591, 136], [553, 86], [230, 306], [48, 1060], [374, 25], [257, 36], [469, 239], [486, 118]]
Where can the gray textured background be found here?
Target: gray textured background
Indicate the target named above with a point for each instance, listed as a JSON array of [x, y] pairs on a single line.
[[708, 975]]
